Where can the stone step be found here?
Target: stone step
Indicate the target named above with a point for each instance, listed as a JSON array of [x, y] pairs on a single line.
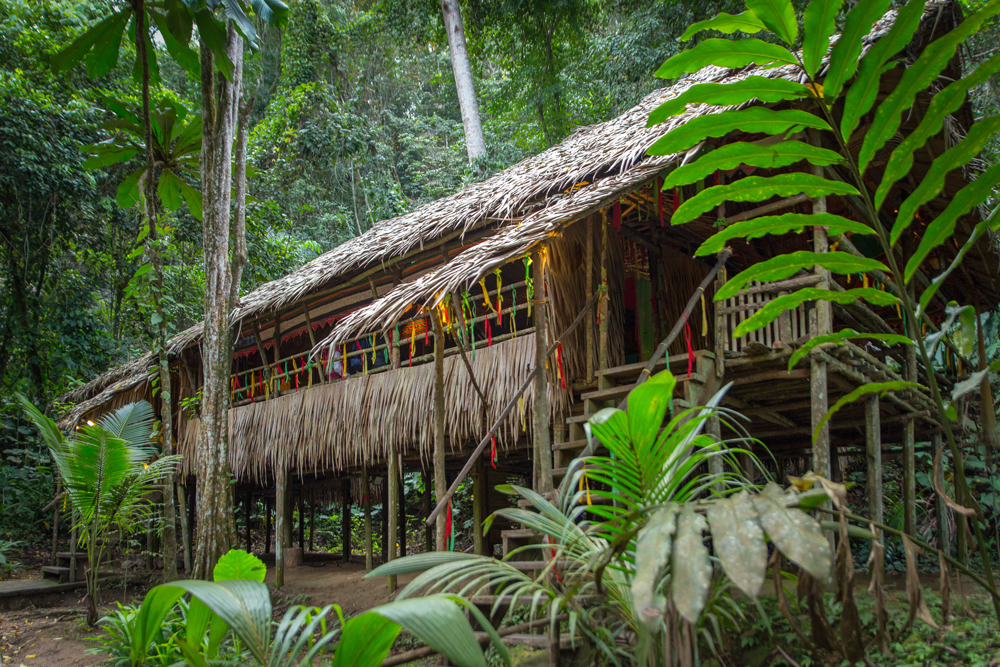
[[55, 572]]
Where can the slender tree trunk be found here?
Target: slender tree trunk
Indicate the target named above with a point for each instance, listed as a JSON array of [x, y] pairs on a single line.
[[220, 105], [160, 343], [475, 144]]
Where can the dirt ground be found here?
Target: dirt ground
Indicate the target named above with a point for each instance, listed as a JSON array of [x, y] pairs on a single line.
[[59, 635]]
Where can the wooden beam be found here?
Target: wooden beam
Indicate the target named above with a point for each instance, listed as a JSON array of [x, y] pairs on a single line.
[[818, 387], [767, 208], [602, 304], [540, 410], [477, 509]]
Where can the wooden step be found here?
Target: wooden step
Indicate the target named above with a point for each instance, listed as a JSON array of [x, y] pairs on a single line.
[[572, 444], [679, 404], [519, 533], [621, 391], [56, 572], [631, 371]]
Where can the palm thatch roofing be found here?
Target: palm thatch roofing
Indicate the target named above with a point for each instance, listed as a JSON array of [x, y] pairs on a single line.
[[513, 211]]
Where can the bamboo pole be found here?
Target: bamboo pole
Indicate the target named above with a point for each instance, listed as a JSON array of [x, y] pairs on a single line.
[[602, 309], [477, 509], [401, 494], [909, 460], [540, 411], [589, 269], [873, 455], [392, 512], [281, 518], [366, 499], [345, 520], [440, 479], [818, 386], [246, 520]]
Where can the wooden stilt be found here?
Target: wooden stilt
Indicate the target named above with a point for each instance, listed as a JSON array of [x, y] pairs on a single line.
[[384, 523], [602, 305], [312, 522], [819, 392], [246, 519], [286, 536], [392, 512], [345, 520], [401, 528], [440, 478], [53, 559], [909, 464], [477, 509], [268, 521], [873, 455], [715, 465], [941, 509], [185, 527], [366, 499], [428, 535], [540, 410], [988, 427], [302, 522], [589, 278], [281, 505]]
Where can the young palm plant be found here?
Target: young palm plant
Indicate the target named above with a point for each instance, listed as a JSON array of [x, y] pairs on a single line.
[[109, 472], [636, 574]]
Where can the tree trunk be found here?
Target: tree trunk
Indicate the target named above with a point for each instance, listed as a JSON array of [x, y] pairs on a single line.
[[216, 531], [473, 126], [160, 322]]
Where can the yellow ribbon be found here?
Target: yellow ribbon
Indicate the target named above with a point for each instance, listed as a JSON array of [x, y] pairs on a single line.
[[704, 317]]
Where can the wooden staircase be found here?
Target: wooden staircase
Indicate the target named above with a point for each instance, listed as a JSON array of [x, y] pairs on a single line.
[[62, 571]]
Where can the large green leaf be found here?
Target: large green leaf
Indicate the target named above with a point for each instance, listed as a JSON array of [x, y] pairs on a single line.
[[847, 51], [738, 541], [182, 54], [192, 197], [439, 623], [944, 103], [652, 553], [133, 423], [726, 23], [864, 390], [787, 265], [942, 227], [861, 94], [776, 307], [418, 563], [840, 337], [760, 88], [955, 157], [736, 154], [271, 12], [796, 534], [238, 564], [778, 16], [990, 223], [753, 120], [128, 189], [917, 78], [647, 406], [104, 55], [819, 22], [213, 34], [75, 52], [724, 53], [169, 190], [365, 641], [155, 607], [759, 188], [781, 224], [690, 569], [105, 155]]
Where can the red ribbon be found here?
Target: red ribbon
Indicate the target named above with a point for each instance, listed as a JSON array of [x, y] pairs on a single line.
[[493, 453], [687, 339], [427, 326], [562, 376], [447, 529], [489, 332]]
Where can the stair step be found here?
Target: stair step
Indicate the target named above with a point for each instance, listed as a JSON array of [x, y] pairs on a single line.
[[679, 404], [572, 444], [56, 572], [621, 391], [631, 371], [519, 533]]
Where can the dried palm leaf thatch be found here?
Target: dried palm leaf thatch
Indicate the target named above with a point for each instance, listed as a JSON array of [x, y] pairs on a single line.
[[345, 425]]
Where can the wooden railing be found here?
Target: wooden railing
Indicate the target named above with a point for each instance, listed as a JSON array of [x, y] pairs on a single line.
[[789, 327]]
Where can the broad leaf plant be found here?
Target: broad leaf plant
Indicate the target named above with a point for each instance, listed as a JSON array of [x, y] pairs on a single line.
[[838, 92]]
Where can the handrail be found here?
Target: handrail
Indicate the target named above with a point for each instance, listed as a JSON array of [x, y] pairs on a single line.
[[506, 411]]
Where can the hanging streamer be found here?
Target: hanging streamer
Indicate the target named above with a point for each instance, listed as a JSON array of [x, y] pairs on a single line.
[[489, 331], [704, 317], [559, 366], [427, 329], [585, 485], [676, 200], [413, 342], [513, 314], [493, 452], [529, 284], [499, 308], [373, 349], [449, 536]]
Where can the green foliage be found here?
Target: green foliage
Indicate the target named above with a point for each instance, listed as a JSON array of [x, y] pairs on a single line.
[[238, 564]]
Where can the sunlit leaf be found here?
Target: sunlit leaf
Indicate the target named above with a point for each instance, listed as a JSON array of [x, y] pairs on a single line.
[[781, 224], [787, 265], [955, 157], [724, 53], [796, 534], [776, 307], [238, 564], [752, 120], [778, 16], [840, 337], [847, 51], [916, 78], [739, 153], [969, 385], [760, 88], [647, 406], [169, 190], [818, 22], [690, 569], [365, 641], [879, 388], [725, 23], [759, 188], [437, 622], [941, 229]]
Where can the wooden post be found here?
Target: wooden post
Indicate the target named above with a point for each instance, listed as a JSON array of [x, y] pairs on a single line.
[[366, 498], [312, 522], [941, 509], [74, 536], [281, 505], [302, 522], [589, 268], [246, 520], [873, 455], [53, 559], [602, 304], [477, 508], [428, 537], [386, 539], [909, 465], [540, 410], [401, 520], [715, 465], [392, 512], [345, 520], [440, 476], [268, 508], [819, 392], [185, 527]]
